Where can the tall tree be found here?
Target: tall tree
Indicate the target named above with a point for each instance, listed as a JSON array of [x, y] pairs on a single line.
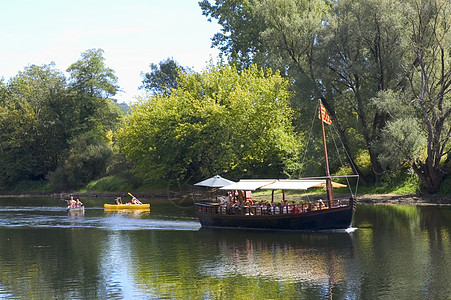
[[429, 74], [219, 121], [162, 77], [90, 76], [91, 83], [239, 39], [343, 52], [35, 122], [363, 47]]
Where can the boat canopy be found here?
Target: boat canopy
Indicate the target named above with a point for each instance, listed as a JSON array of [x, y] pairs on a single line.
[[215, 182], [294, 184], [278, 184], [248, 184]]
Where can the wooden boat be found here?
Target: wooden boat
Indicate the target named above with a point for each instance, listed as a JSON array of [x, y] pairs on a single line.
[[127, 206], [334, 214]]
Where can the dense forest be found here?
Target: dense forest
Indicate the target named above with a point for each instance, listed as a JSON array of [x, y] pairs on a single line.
[[381, 68]]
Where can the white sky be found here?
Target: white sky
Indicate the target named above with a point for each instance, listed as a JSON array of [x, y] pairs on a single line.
[[132, 33]]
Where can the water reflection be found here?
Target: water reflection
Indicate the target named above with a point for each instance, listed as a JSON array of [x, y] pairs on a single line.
[[291, 257], [396, 252], [131, 213]]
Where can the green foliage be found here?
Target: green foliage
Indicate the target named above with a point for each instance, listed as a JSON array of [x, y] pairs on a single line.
[[108, 184], [399, 182], [239, 38], [42, 117], [33, 185], [220, 121], [33, 124], [163, 77], [123, 107], [89, 76], [88, 158], [380, 67], [445, 188]]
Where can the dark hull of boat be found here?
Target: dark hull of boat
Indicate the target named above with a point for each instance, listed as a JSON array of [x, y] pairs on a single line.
[[335, 218]]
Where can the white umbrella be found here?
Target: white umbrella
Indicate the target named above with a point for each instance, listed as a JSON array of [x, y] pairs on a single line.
[[215, 182]]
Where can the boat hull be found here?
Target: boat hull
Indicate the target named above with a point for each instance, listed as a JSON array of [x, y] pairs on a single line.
[[76, 209], [127, 206], [335, 218]]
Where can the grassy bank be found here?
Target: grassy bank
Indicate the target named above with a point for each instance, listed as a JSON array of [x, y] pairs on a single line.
[[392, 188]]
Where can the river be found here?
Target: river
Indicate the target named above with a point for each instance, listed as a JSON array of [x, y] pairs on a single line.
[[392, 252]]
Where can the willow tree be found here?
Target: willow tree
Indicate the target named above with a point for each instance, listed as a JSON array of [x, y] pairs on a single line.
[[428, 71], [219, 121]]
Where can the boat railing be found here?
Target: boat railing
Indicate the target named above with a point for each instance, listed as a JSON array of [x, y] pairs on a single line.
[[258, 210]]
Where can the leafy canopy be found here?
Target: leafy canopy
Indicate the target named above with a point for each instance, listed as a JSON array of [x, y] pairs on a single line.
[[219, 121]]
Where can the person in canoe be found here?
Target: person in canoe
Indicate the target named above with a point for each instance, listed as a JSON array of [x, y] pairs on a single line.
[[71, 202], [78, 203], [136, 201], [118, 200]]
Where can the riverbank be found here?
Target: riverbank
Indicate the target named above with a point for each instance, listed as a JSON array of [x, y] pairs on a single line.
[[405, 199]]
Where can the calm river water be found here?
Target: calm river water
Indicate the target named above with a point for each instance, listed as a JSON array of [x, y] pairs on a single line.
[[393, 252]]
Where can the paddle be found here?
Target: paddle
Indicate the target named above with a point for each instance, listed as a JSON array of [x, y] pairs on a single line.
[[137, 201]]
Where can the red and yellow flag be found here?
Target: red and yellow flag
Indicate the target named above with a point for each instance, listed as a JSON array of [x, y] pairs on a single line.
[[322, 112]]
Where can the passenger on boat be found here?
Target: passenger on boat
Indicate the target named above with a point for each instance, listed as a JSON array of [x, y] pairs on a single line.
[[296, 207], [78, 203], [284, 205], [135, 201], [71, 202], [118, 200]]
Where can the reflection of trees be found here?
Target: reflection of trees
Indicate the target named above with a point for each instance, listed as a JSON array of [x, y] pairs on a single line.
[[388, 217], [53, 264], [238, 264], [437, 222], [395, 253], [405, 248]]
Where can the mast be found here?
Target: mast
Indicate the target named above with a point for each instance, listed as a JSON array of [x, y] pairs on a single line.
[[330, 195]]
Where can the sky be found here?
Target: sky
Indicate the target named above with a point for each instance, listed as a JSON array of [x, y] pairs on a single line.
[[132, 33]]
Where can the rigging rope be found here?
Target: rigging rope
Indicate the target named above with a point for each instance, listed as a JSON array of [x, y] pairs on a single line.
[[308, 141], [334, 132]]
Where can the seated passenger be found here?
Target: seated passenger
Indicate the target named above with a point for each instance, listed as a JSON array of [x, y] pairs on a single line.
[[297, 208], [135, 201], [72, 202]]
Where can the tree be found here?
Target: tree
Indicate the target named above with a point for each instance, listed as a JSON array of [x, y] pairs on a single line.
[[42, 117], [91, 77], [162, 77], [363, 45], [342, 52], [91, 82], [219, 121], [239, 39], [34, 122], [87, 160], [429, 75]]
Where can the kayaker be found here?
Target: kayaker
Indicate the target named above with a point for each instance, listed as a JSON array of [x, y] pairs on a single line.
[[78, 203], [118, 200], [135, 201], [72, 202]]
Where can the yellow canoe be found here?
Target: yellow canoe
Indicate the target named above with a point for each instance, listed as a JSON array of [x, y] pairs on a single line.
[[126, 206]]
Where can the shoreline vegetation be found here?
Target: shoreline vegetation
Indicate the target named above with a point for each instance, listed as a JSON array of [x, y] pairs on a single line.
[[387, 198]]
